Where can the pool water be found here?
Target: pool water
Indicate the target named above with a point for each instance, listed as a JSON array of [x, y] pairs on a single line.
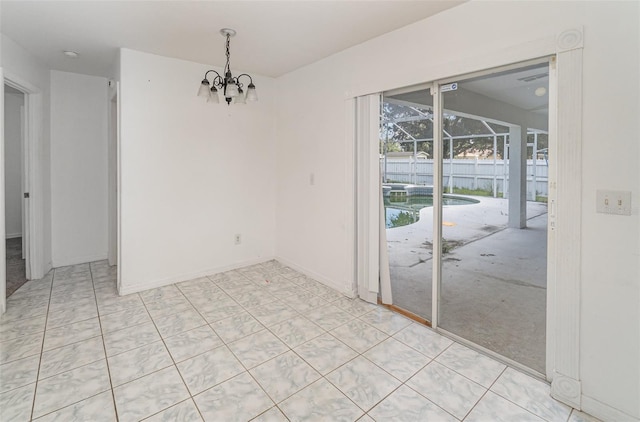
[[407, 211]]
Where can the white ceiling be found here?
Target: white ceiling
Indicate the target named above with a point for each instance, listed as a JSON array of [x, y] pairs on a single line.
[[274, 37]]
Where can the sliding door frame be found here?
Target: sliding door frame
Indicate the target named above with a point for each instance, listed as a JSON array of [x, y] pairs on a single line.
[[437, 205], [565, 194]]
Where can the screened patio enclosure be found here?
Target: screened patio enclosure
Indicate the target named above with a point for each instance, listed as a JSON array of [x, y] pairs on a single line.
[[475, 151]]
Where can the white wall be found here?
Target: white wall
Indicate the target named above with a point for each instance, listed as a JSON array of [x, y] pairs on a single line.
[[17, 62], [314, 223], [192, 174], [13, 164], [78, 168]]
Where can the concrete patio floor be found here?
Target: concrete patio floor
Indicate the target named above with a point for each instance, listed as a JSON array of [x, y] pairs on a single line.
[[493, 277]]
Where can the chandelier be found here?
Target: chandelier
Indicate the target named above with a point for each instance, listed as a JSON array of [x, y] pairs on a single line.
[[230, 86]]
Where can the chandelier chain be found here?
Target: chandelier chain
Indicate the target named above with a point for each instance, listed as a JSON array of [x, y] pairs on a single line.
[[228, 69]]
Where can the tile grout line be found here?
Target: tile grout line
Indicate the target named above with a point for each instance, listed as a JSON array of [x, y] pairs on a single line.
[[402, 383], [175, 365], [238, 359], [431, 360], [66, 292], [325, 332], [248, 309], [42, 351], [510, 401], [434, 360], [73, 342], [44, 334], [483, 394], [366, 412], [265, 328], [170, 407], [104, 347], [516, 404], [355, 317], [277, 404]]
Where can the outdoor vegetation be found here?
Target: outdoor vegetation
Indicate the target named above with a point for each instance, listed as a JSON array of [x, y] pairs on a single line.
[[404, 126]]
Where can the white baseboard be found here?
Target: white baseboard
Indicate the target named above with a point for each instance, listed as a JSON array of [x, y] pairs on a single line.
[[139, 287], [66, 261], [566, 389], [47, 268], [13, 236], [39, 273], [319, 277], [605, 412]]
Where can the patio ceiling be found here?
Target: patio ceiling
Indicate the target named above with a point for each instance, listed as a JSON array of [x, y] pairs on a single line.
[[503, 98]]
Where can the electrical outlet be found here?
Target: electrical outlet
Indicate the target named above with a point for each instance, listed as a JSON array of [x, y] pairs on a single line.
[[613, 202], [237, 239]]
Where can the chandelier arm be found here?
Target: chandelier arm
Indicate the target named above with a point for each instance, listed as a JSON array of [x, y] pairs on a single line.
[[218, 81], [211, 70], [244, 74]]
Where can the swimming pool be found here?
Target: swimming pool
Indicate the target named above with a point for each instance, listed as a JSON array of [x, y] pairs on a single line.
[[406, 210]]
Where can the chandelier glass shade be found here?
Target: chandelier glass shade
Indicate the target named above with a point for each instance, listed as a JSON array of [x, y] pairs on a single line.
[[230, 86]]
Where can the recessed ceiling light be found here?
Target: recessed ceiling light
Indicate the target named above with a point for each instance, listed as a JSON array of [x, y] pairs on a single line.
[[71, 54], [540, 91]]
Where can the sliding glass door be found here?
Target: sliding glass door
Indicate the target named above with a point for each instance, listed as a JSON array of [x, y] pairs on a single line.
[[465, 175], [494, 252]]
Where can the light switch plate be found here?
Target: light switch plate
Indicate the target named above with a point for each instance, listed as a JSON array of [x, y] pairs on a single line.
[[613, 202]]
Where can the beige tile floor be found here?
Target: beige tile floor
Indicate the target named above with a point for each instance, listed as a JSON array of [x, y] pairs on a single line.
[[260, 343]]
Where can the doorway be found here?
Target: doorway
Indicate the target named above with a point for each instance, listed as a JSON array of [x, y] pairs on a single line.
[[16, 240], [474, 158], [32, 185]]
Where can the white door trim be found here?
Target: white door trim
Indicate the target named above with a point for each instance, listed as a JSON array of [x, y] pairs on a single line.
[[3, 245], [112, 173], [118, 189], [564, 230], [23, 188], [32, 180], [564, 243], [564, 247]]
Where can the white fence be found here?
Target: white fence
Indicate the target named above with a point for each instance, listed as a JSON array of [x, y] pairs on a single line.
[[470, 174]]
